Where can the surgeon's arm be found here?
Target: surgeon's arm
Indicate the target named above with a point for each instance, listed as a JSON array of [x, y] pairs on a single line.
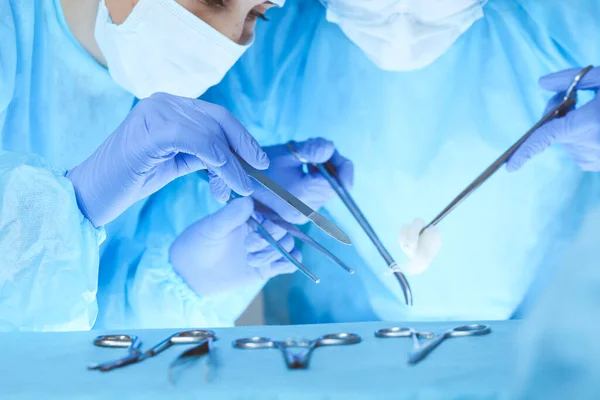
[[48, 250], [202, 264]]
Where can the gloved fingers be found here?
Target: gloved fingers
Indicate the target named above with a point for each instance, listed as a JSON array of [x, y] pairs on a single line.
[[202, 137], [579, 128], [270, 254], [219, 189], [317, 150], [233, 175], [281, 266], [313, 189], [554, 102], [179, 165], [221, 223], [290, 214], [280, 207], [560, 81], [187, 163], [539, 141], [284, 264], [240, 140], [255, 242], [345, 169], [316, 190]]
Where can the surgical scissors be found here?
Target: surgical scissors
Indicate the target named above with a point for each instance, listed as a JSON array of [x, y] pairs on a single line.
[[401, 332], [329, 172], [421, 352], [133, 343], [185, 337], [568, 102], [300, 359]]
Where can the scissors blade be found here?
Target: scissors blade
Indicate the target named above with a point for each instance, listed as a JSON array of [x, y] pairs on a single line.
[[191, 356], [320, 221], [109, 366]]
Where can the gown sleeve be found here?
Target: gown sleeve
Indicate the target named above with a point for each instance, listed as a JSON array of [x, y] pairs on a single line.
[[157, 296], [48, 250]]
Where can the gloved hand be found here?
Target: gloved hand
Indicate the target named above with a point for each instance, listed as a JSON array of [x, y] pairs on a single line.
[[220, 253], [310, 187], [578, 132], [163, 138]]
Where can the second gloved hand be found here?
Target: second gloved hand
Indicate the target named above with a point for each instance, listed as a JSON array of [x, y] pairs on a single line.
[[578, 132], [221, 253], [163, 138], [310, 187]]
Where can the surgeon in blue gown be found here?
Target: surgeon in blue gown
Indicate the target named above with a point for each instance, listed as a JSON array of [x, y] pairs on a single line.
[[81, 244], [417, 136]]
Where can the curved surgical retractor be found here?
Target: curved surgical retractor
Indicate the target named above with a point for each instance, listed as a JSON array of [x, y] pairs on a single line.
[[568, 102], [329, 172]]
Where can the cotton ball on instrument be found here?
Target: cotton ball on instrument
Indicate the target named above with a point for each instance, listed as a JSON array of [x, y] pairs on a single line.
[[420, 248]]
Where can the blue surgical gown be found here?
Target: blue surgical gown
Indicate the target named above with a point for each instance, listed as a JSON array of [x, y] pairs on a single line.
[[417, 139], [559, 349], [57, 105]]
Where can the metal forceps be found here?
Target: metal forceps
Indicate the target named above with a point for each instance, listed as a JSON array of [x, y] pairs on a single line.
[[423, 351], [323, 223], [298, 234], [254, 224], [133, 343], [301, 358], [568, 102], [399, 332], [329, 172]]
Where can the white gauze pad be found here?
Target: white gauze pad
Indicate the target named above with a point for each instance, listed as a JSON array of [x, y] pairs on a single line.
[[421, 249]]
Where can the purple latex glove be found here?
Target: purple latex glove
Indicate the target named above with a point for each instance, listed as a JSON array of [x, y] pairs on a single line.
[[221, 253], [578, 132], [163, 138], [312, 188]]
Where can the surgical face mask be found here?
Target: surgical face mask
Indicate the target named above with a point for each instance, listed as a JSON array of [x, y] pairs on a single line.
[[403, 35], [162, 47]]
